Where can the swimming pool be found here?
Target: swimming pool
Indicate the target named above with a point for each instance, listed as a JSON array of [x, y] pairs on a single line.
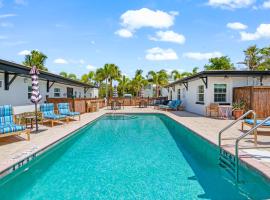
[[146, 156]]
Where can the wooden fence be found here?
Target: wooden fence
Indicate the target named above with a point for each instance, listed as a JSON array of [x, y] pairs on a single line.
[[134, 101], [77, 105], [80, 105], [256, 98]]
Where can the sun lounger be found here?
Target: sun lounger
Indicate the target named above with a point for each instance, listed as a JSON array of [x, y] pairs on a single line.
[[48, 114], [250, 123], [63, 109], [7, 123], [172, 105]]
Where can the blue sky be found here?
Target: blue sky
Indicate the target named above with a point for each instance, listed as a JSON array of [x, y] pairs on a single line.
[[150, 35]]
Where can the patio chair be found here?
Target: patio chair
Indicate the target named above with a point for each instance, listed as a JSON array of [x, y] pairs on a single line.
[[63, 109], [48, 114], [211, 108], [172, 105], [7, 123], [250, 123]]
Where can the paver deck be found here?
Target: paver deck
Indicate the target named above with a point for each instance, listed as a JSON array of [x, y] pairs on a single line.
[[13, 148]]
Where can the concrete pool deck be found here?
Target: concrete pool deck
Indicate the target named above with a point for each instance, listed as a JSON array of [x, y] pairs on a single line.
[[15, 149]]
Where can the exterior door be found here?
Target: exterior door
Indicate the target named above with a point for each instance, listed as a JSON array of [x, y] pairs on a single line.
[[69, 92]]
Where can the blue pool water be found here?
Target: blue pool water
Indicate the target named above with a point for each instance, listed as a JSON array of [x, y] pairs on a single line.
[[136, 157]]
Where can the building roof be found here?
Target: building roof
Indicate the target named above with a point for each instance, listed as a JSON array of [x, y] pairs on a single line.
[[221, 73], [21, 70]]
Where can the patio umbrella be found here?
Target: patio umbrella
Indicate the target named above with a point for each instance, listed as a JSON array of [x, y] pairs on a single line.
[[115, 92], [35, 95], [142, 92]]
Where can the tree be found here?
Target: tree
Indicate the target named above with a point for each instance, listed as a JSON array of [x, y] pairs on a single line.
[[252, 57], [72, 76], [265, 59], [64, 74], [88, 78], [159, 78], [177, 75], [36, 58], [123, 85], [138, 82], [219, 63]]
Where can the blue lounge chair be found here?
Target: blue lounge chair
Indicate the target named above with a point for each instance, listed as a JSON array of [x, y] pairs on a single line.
[[47, 110], [250, 123], [7, 125], [172, 105], [64, 109]]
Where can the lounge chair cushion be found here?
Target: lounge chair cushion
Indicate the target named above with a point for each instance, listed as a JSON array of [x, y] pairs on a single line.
[[6, 115], [64, 110], [9, 128], [53, 116], [47, 107], [251, 122]]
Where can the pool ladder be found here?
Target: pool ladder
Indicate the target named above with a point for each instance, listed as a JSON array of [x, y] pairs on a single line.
[[226, 159]]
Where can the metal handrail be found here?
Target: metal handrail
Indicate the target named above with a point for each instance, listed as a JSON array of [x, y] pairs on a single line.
[[234, 122], [256, 126]]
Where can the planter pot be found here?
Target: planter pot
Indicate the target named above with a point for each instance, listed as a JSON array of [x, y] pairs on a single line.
[[238, 113]]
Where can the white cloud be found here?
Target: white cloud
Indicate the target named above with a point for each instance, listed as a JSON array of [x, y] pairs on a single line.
[[6, 25], [124, 33], [202, 56], [160, 54], [24, 53], [237, 26], [230, 4], [60, 61], [90, 67], [169, 36], [7, 15], [263, 31], [20, 2], [133, 20], [266, 4]]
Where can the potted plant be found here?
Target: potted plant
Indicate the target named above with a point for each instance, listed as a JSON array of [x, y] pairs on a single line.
[[238, 109]]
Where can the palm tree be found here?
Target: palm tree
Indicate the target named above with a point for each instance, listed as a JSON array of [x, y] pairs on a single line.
[[252, 57], [88, 78], [72, 76], [176, 75], [138, 82], [123, 85], [265, 59], [64, 74], [159, 78], [36, 58]]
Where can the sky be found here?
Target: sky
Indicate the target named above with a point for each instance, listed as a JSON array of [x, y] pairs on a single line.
[[79, 35]]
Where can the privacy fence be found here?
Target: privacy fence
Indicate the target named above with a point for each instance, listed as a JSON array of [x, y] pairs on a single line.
[[257, 98]]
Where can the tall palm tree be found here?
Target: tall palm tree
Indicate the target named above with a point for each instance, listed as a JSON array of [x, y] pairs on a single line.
[[138, 82], [36, 58], [159, 78], [265, 59], [252, 57], [123, 85]]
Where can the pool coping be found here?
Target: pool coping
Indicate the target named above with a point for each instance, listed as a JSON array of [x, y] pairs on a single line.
[[248, 162]]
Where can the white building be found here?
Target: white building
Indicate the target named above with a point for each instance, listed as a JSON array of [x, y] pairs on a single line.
[[199, 90], [15, 86]]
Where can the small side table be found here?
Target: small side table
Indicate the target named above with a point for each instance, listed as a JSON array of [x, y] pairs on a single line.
[[29, 119]]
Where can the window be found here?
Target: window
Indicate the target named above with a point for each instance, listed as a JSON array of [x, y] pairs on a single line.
[[200, 94], [56, 92], [179, 94], [1, 83], [220, 91], [29, 92], [170, 95]]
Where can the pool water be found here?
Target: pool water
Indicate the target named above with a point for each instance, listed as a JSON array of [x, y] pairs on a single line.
[[131, 157]]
